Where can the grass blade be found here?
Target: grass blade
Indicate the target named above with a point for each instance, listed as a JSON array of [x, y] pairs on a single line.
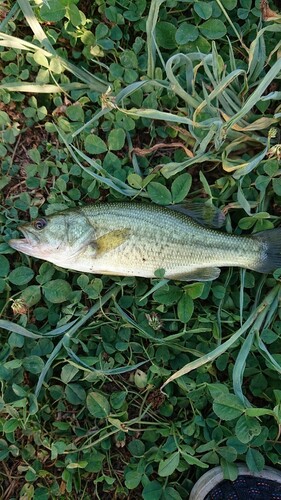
[[154, 288], [20, 330], [239, 367], [9, 16], [173, 168], [113, 371], [43, 88], [147, 335], [257, 94], [70, 332], [150, 34], [207, 358], [35, 26], [227, 80], [172, 64], [269, 358], [111, 182]]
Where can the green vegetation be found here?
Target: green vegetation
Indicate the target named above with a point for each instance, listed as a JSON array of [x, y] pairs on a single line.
[[156, 101]]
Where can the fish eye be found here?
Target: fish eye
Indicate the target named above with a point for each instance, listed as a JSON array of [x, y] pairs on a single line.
[[40, 224]]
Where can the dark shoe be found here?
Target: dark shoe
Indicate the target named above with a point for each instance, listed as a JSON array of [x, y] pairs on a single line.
[[264, 485]]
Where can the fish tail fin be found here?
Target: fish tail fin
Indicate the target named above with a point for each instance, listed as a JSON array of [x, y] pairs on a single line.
[[271, 250]]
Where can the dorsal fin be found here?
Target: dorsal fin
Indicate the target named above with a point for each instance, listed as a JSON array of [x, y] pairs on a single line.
[[203, 213]]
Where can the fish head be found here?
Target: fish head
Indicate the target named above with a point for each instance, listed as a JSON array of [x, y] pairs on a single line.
[[58, 238]]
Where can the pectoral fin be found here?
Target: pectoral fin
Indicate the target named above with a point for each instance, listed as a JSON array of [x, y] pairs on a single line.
[[111, 240], [205, 274]]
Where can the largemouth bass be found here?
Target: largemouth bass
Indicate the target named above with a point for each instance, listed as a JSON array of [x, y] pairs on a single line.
[[131, 239]]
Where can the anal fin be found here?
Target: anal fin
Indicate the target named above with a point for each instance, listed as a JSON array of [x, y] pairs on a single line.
[[200, 274]]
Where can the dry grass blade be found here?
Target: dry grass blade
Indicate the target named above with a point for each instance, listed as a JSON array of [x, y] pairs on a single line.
[[44, 88], [257, 94]]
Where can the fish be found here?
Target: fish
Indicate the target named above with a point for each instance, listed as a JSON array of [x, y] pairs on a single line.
[[137, 239]]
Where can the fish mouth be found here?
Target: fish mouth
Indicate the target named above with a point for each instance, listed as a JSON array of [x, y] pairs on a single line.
[[29, 242]]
